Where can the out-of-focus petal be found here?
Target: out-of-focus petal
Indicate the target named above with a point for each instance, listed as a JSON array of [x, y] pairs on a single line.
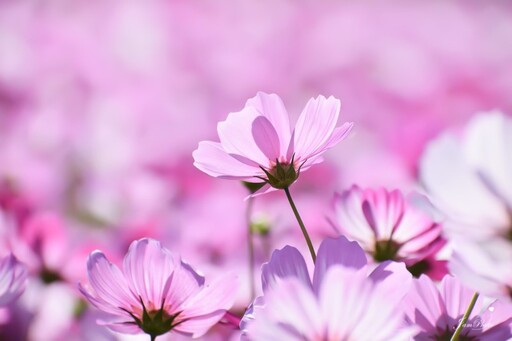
[[285, 263], [337, 251]]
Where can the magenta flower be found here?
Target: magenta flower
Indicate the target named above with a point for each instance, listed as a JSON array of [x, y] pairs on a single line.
[[257, 145], [13, 278], [436, 311], [342, 301], [156, 292], [387, 226]]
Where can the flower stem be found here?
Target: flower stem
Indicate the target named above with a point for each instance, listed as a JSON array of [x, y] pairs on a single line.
[[301, 224], [465, 317], [153, 337], [250, 246]]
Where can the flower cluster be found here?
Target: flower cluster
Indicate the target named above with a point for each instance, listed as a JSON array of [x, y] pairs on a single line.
[[385, 214]]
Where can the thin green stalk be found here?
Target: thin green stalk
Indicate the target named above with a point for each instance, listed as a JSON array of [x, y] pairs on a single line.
[[153, 337], [465, 318], [250, 245], [301, 224]]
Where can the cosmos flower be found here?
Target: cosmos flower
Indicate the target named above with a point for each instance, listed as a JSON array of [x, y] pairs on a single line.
[[155, 292], [468, 176], [13, 277], [342, 301], [437, 311], [257, 145], [387, 225]]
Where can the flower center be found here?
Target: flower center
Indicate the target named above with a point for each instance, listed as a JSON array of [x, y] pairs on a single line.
[[282, 174], [385, 250], [154, 322]]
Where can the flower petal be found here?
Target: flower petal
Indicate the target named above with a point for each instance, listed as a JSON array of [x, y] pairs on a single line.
[[271, 106], [314, 127], [211, 158], [109, 284], [236, 136], [147, 266], [207, 307], [284, 263], [339, 251]]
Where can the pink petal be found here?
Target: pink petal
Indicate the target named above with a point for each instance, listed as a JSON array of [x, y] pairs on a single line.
[[315, 126], [456, 299], [204, 309], [383, 211], [458, 189], [271, 106], [337, 251], [292, 306], [350, 218], [236, 136], [181, 285], [211, 158], [109, 284], [13, 278], [266, 138], [352, 307], [147, 266], [424, 305], [393, 279], [284, 263]]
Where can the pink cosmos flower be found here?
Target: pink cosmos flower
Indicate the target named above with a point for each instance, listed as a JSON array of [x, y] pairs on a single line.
[[388, 226], [257, 144], [341, 301], [436, 311], [468, 177], [13, 277], [156, 292]]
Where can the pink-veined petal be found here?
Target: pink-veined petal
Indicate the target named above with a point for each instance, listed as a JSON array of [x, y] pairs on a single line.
[[108, 283], [147, 266], [314, 126]]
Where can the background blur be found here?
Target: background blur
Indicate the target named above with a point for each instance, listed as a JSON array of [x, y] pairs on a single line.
[[102, 103]]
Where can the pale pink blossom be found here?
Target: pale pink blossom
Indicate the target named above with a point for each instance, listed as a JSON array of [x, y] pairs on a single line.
[[343, 300], [258, 145], [468, 177], [13, 278], [387, 225], [437, 310], [156, 292]]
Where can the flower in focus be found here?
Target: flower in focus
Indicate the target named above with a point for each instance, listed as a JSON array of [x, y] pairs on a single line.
[[388, 227], [13, 277], [341, 302], [437, 312], [257, 145], [468, 177], [155, 292]]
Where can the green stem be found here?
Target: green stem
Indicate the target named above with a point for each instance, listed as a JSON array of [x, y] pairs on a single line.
[[301, 224], [153, 337], [250, 246], [465, 317]]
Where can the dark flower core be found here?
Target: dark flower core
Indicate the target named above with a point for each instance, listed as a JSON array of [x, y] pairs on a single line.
[[282, 174], [154, 322], [385, 250]]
